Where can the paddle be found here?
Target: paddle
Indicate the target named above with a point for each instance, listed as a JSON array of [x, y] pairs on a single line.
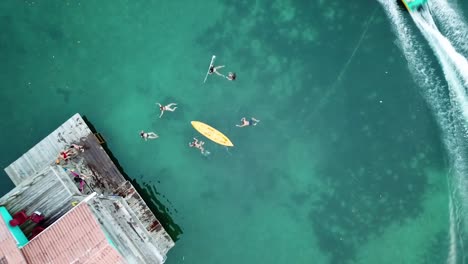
[[211, 65]]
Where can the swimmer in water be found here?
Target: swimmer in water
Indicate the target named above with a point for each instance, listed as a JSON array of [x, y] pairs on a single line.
[[214, 69], [251, 122], [231, 76], [148, 135], [197, 144], [166, 108]]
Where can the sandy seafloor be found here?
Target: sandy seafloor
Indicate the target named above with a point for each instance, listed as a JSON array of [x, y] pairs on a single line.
[[346, 166]]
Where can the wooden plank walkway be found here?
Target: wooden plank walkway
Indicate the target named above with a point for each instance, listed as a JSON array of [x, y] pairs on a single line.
[[106, 177], [149, 220], [127, 233]]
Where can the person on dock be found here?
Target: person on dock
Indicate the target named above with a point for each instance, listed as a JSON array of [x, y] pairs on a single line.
[[166, 108], [251, 122], [148, 135], [76, 147], [66, 155], [79, 178], [214, 69], [231, 76], [197, 144], [81, 181]]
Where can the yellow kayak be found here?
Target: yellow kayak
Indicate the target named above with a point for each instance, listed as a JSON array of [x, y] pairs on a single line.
[[212, 134]]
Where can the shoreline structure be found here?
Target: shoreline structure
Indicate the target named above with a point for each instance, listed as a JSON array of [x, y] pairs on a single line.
[[106, 222]]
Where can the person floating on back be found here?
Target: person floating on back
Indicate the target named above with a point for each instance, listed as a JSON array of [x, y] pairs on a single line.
[[251, 122], [214, 69], [166, 108], [148, 135], [231, 76], [197, 144]]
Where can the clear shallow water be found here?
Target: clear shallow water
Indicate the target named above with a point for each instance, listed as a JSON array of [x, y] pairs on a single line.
[[346, 166]]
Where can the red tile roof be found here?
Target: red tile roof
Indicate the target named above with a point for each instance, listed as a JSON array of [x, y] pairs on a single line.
[[105, 256], [75, 238], [8, 249]]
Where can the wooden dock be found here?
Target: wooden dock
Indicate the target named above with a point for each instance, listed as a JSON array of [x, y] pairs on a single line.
[[30, 171], [45, 152]]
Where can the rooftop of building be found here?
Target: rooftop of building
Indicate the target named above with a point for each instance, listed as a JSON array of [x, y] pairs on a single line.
[[76, 238]]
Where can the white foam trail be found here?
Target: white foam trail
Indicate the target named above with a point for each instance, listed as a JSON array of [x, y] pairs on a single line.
[[452, 23], [452, 254], [447, 113], [418, 61], [455, 68], [451, 61], [444, 47], [457, 203]]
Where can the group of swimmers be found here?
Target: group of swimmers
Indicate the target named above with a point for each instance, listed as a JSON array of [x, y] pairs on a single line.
[[231, 75], [198, 144]]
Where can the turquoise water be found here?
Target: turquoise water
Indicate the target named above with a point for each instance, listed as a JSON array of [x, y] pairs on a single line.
[[347, 164]]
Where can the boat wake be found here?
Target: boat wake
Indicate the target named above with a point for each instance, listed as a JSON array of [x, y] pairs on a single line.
[[447, 98], [452, 24]]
